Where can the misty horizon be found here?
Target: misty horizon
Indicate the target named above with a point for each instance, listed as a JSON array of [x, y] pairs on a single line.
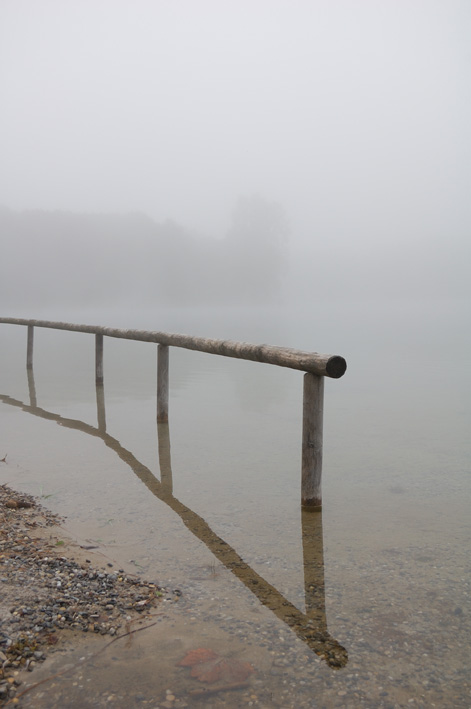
[[352, 118], [89, 259]]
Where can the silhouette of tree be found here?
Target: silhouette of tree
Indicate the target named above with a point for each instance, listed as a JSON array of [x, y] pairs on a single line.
[[256, 254]]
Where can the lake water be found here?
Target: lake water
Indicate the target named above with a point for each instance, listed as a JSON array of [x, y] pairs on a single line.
[[366, 604]]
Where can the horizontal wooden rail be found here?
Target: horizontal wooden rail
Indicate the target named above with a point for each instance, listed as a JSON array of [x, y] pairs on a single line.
[[321, 364], [316, 366]]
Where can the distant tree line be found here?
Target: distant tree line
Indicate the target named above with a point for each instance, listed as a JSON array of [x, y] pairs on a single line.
[[107, 258]]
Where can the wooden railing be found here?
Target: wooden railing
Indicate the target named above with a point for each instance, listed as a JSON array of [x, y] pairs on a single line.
[[316, 366]]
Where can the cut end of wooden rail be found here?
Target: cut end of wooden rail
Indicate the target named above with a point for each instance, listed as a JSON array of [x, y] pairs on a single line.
[[336, 367]]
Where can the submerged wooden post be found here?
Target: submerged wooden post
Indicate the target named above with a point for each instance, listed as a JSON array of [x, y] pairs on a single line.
[[162, 384], [29, 348], [166, 478], [33, 401], [313, 562], [99, 359], [313, 410], [100, 407]]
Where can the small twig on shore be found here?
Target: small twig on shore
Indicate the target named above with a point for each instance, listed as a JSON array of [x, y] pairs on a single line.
[[71, 667]]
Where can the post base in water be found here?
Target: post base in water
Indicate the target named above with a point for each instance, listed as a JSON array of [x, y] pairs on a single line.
[[311, 505]]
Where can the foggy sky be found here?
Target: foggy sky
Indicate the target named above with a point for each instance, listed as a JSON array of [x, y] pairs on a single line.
[[353, 114]]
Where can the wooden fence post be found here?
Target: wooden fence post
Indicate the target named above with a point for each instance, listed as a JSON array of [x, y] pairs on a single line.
[[166, 478], [99, 359], [100, 407], [162, 384], [33, 401], [313, 561], [29, 348], [313, 410]]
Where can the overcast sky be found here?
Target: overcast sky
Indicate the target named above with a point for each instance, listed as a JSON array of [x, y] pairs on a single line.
[[353, 114]]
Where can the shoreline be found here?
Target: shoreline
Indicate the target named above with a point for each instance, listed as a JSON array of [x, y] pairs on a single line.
[[54, 592]]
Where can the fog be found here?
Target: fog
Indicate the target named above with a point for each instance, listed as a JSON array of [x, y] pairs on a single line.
[[234, 150]]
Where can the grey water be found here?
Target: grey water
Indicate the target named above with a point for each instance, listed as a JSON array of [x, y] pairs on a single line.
[[396, 487]]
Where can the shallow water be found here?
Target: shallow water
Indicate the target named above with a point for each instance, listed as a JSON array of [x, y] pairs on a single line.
[[380, 580]]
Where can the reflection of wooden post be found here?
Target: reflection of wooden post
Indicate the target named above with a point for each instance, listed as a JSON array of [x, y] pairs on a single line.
[[100, 407], [32, 389], [162, 384], [313, 558], [29, 348], [99, 359], [311, 473], [163, 435]]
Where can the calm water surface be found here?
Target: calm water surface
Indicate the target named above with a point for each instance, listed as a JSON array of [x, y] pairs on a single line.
[[366, 605]]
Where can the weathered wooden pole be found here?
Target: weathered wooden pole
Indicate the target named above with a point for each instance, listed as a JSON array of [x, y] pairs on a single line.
[[99, 359], [313, 561], [29, 348], [33, 401], [100, 407], [321, 364], [313, 410], [165, 464], [162, 384]]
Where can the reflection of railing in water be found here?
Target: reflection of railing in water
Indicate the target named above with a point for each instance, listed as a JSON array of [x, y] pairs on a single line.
[[317, 366], [311, 626]]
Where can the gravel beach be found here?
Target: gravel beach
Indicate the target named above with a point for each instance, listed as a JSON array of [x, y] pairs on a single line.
[[45, 593], [67, 602]]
